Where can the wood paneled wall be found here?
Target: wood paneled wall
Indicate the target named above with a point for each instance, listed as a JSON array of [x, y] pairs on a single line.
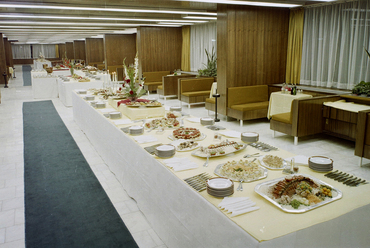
[[70, 50], [94, 50], [8, 53], [2, 59], [79, 49], [119, 46], [62, 50], [159, 49], [251, 47]]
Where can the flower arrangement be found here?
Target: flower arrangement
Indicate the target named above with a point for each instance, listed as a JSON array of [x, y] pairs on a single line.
[[132, 85]]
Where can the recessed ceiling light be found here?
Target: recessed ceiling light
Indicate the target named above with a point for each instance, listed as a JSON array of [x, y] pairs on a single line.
[[200, 17], [250, 3], [25, 6], [100, 18]]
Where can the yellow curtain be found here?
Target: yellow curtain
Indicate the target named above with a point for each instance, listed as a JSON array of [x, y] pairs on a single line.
[[294, 53], [185, 54], [56, 51]]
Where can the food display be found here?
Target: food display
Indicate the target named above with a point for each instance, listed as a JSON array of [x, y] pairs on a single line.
[[220, 149], [298, 193], [272, 162], [186, 133], [163, 123], [140, 103], [187, 146], [245, 170]]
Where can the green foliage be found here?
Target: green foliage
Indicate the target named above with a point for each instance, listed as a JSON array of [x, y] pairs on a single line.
[[361, 88], [211, 66]]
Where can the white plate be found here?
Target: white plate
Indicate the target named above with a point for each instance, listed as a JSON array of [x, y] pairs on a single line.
[[271, 168], [321, 160], [165, 148], [219, 183], [230, 134], [198, 153]]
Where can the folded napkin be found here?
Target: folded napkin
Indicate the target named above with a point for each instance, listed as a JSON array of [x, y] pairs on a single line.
[[299, 159], [231, 134], [193, 119], [107, 110], [237, 205], [122, 122], [180, 164], [145, 139]]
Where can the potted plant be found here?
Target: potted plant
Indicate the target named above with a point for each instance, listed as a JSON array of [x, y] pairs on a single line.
[[211, 66]]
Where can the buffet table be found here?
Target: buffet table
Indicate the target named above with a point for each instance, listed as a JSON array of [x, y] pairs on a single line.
[[37, 64], [182, 217], [66, 88], [62, 72], [281, 102], [45, 87]]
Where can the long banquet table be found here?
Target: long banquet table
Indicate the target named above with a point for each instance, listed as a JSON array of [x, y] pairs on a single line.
[[182, 217]]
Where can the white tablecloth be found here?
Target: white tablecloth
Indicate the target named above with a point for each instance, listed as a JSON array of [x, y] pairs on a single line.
[[184, 218], [37, 73], [45, 88], [65, 72], [281, 102], [66, 89], [38, 64]]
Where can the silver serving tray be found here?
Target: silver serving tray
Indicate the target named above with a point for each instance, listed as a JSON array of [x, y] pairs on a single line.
[[259, 187], [217, 172], [203, 155]]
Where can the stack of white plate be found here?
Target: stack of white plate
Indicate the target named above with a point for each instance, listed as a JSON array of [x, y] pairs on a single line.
[[176, 108], [100, 105], [220, 187], [249, 137], [81, 91], [136, 130], [115, 115], [320, 163], [165, 151], [93, 103], [89, 98], [207, 121]]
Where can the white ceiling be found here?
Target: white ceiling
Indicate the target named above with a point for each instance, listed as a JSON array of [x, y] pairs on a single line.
[[51, 21]]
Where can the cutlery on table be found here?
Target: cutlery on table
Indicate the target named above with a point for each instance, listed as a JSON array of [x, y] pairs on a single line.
[[206, 163]]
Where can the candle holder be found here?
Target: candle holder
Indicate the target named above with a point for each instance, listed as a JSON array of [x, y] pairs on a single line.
[[216, 95]]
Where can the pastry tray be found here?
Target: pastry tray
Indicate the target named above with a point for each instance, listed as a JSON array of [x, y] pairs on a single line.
[[262, 187], [198, 153]]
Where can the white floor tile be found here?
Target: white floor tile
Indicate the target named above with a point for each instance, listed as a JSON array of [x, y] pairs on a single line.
[[2, 235], [144, 240], [14, 233]]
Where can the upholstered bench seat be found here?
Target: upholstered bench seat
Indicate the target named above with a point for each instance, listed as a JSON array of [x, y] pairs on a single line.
[[197, 93], [283, 117], [211, 100], [250, 106]]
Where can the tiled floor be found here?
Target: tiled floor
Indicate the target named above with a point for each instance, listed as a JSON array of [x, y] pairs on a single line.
[[11, 163]]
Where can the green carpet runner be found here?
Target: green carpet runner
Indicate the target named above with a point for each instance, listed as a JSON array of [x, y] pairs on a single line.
[[26, 72], [65, 205]]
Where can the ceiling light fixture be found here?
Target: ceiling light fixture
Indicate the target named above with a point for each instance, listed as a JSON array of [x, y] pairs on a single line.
[[249, 3], [200, 17], [100, 18], [26, 6]]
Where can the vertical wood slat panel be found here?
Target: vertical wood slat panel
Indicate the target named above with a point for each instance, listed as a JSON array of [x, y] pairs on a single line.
[[62, 50], [2, 59], [118, 47], [79, 49], [94, 50], [251, 47], [159, 48], [70, 50], [8, 53]]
